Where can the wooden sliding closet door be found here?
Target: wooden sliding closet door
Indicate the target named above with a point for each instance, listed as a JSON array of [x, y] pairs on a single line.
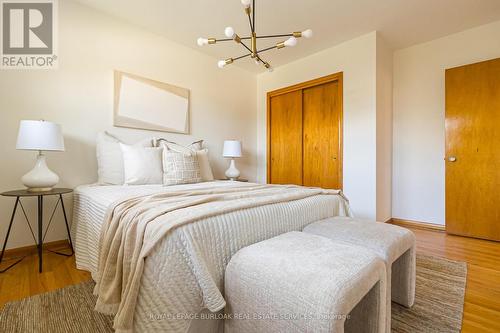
[[286, 138], [304, 133], [321, 136], [472, 150]]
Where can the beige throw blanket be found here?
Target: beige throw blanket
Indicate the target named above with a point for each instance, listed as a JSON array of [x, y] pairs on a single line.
[[134, 226]]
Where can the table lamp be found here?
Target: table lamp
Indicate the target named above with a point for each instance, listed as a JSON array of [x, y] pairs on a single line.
[[41, 136], [232, 150]]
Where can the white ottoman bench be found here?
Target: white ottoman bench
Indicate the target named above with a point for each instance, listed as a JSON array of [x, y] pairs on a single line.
[[299, 282], [395, 245]]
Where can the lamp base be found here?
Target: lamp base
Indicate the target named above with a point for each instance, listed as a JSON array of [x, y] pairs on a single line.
[[232, 173], [39, 189], [40, 178]]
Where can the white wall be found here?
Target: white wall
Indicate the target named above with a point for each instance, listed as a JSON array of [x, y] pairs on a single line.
[[356, 59], [419, 106], [79, 96], [384, 130]]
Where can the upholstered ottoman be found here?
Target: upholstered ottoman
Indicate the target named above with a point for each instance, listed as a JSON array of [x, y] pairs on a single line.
[[299, 282], [395, 245]]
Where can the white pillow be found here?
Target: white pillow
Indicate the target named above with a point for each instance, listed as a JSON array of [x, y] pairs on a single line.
[[197, 145], [193, 148], [110, 158], [142, 165], [205, 169], [180, 168]]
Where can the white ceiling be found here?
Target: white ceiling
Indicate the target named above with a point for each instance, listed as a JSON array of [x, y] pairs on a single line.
[[401, 22]]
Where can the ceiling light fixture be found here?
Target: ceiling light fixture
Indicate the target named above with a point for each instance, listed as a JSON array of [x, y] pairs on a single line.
[[254, 53]]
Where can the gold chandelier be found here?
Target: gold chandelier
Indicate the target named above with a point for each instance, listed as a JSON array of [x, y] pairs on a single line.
[[254, 53]]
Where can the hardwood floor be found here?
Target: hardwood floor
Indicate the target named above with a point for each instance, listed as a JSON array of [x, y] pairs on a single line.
[[482, 292], [23, 280], [482, 297]]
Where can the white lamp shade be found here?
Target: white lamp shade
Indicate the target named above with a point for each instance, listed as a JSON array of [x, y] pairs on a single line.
[[232, 148], [40, 135]]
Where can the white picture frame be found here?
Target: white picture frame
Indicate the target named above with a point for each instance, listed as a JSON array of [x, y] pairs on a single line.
[[150, 105]]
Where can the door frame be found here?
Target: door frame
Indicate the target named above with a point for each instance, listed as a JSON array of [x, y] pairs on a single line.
[[339, 77]]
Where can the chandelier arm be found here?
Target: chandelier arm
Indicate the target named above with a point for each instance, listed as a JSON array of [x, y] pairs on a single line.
[[250, 22], [267, 49], [246, 47], [242, 56], [229, 39], [265, 63], [253, 16], [274, 36], [258, 59], [224, 40]]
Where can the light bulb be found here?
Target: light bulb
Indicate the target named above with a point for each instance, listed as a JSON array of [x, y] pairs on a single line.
[[292, 41], [307, 33], [257, 62], [202, 41], [229, 32], [223, 63], [270, 69], [246, 3]]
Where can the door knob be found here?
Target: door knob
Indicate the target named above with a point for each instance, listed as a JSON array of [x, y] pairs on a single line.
[[452, 159]]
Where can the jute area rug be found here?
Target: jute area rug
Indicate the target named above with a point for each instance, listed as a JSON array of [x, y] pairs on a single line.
[[438, 307]]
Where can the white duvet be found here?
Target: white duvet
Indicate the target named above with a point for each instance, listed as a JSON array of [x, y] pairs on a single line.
[[169, 298]]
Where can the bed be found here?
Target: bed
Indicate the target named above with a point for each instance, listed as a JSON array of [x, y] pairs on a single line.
[[171, 296]]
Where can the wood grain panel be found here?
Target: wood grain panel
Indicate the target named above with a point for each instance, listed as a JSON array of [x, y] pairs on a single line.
[[286, 138], [298, 88], [473, 138], [321, 136]]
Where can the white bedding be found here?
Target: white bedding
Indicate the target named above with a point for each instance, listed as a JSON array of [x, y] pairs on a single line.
[[168, 287], [90, 205]]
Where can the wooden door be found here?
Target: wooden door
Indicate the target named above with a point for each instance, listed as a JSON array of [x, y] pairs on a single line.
[[321, 136], [304, 133], [285, 127], [473, 150]]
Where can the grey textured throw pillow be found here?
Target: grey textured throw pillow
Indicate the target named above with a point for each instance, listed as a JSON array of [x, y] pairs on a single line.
[[180, 168]]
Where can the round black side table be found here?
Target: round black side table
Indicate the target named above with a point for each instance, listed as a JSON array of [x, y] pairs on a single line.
[[18, 194]]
